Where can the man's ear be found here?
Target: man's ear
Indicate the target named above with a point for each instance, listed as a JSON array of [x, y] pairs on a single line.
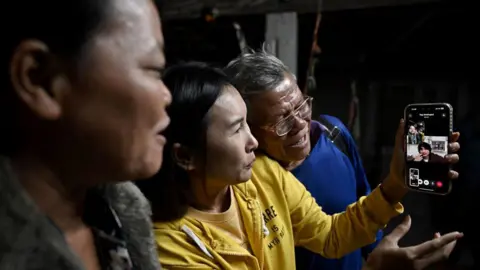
[[35, 79], [183, 157]]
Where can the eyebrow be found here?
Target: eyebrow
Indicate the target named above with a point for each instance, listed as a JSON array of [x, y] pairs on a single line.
[[237, 121], [284, 112]]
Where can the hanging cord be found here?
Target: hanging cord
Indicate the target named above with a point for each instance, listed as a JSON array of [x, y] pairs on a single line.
[[354, 113], [242, 42], [310, 82]]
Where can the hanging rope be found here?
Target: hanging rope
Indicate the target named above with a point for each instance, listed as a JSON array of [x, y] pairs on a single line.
[[242, 42], [353, 123], [310, 82]]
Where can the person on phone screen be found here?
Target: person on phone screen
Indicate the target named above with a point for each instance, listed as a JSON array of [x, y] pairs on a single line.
[[426, 154], [420, 127], [413, 137]]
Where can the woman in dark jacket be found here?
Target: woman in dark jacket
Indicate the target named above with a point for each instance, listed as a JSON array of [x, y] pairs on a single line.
[[82, 107]]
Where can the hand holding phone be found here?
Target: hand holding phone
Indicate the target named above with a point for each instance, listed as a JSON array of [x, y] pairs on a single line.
[[428, 128]]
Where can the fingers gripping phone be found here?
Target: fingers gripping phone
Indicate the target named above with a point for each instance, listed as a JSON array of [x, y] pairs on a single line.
[[428, 128]]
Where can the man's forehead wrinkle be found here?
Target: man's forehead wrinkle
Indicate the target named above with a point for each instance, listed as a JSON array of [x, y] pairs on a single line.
[[289, 99], [284, 85]]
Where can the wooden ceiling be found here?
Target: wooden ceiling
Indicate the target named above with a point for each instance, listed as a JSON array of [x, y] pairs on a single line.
[[188, 9]]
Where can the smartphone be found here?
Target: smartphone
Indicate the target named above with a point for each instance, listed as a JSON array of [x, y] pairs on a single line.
[[428, 128]]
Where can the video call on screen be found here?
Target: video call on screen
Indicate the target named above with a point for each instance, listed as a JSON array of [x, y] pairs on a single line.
[[427, 132]]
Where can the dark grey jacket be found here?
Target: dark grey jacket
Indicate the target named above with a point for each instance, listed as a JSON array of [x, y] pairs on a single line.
[[29, 241]]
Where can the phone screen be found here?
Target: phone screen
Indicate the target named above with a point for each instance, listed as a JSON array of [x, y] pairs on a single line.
[[427, 132]]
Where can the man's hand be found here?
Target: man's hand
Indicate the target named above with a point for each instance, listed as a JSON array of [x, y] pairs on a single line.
[[394, 187], [389, 256]]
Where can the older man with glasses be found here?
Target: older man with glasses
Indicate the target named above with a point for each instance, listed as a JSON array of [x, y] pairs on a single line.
[[321, 154]]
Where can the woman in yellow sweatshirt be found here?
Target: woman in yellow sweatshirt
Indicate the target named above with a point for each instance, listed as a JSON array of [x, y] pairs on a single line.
[[221, 210]]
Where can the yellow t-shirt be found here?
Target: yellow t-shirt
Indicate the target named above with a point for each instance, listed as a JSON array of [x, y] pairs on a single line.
[[278, 214], [229, 222]]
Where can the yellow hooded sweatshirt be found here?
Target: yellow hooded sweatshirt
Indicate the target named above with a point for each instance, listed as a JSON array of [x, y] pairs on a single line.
[[278, 214]]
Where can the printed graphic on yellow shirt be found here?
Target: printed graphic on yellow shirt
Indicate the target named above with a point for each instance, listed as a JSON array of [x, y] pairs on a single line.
[[277, 229]]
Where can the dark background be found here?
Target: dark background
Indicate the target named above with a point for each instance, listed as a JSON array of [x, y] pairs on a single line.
[[398, 55]]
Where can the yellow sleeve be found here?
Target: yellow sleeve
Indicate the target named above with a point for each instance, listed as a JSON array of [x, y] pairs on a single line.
[[176, 252], [334, 236]]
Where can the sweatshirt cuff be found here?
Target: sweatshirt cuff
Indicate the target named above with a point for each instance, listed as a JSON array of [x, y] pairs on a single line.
[[379, 209]]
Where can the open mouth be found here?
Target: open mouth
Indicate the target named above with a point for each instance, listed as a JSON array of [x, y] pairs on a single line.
[[160, 137], [162, 125], [300, 142]]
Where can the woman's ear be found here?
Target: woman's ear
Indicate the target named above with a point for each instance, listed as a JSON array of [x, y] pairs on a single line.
[[183, 157], [36, 80]]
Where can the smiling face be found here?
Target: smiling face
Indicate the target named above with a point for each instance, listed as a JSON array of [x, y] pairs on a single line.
[[230, 145], [272, 108]]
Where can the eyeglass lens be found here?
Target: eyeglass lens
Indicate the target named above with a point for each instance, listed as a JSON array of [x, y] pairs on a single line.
[[303, 111]]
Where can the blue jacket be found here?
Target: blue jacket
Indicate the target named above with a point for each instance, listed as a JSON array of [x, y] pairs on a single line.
[[334, 181]]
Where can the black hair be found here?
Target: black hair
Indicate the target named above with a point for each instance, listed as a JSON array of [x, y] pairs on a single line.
[[425, 146], [195, 87], [64, 26]]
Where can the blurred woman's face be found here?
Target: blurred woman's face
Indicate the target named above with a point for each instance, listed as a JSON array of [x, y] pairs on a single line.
[[107, 112], [230, 147]]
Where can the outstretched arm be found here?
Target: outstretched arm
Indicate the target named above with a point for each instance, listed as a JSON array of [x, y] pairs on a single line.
[[362, 184]]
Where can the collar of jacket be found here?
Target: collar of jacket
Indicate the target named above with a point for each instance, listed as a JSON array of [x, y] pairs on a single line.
[[29, 240]]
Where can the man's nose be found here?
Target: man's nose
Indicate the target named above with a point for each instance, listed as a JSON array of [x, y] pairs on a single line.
[[298, 124]]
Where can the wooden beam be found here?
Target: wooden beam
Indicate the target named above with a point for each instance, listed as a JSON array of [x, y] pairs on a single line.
[[189, 9]]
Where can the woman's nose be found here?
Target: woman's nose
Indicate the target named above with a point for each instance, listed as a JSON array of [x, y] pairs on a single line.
[[252, 143]]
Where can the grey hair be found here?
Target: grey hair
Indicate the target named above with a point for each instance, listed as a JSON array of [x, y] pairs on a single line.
[[254, 72]]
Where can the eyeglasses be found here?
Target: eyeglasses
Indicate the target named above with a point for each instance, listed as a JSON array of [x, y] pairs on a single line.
[[284, 126]]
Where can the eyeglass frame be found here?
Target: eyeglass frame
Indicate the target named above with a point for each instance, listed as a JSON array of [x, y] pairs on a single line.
[[294, 113]]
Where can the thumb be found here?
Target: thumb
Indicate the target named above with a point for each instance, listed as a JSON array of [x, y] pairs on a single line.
[[400, 230], [397, 162]]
